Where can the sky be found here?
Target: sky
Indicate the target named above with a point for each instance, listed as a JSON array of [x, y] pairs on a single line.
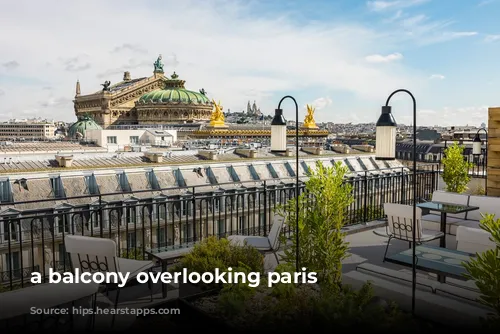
[[345, 57]]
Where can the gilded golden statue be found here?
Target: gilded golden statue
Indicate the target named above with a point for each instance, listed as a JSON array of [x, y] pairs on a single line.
[[217, 118], [309, 121]]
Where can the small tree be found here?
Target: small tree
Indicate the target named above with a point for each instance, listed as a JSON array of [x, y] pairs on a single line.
[[484, 269], [456, 169], [322, 208]]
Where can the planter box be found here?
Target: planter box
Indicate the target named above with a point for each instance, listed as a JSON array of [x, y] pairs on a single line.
[[193, 317], [187, 289]]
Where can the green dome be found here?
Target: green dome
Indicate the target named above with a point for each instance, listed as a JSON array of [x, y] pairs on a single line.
[[84, 123], [173, 95], [174, 92]]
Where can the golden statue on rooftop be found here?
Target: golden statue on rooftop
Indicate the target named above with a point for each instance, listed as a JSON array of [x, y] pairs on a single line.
[[309, 122], [217, 118]]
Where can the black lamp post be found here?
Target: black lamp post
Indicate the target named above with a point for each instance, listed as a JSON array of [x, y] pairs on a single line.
[[477, 144], [279, 114], [386, 150]]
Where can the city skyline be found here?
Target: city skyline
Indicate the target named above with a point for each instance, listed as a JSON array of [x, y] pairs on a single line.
[[343, 57]]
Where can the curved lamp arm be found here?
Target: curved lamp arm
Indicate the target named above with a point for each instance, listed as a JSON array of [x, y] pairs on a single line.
[[485, 132], [297, 189]]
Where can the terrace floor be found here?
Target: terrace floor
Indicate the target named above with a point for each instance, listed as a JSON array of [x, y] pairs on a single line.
[[364, 245]]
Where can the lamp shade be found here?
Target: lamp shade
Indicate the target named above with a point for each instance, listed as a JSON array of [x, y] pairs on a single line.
[[278, 132], [476, 145], [385, 144], [278, 118]]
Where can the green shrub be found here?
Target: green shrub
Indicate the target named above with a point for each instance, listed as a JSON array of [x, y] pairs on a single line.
[[212, 253], [307, 308], [484, 269], [133, 254], [456, 169], [322, 214]]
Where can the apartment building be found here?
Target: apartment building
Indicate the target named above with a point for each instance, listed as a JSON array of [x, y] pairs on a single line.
[[153, 206], [27, 130]]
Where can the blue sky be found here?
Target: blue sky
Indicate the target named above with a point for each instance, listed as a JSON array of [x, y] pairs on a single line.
[[343, 56]]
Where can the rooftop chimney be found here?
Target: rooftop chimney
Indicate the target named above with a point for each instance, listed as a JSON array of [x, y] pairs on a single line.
[[126, 76]]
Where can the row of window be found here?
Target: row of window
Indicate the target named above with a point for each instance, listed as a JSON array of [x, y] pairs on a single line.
[[12, 261], [57, 188]]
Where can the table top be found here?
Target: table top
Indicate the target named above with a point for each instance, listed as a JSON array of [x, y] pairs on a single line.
[[435, 259], [43, 296], [447, 207], [170, 253]]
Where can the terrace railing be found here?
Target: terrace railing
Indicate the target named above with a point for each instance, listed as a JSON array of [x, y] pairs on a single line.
[[176, 217]]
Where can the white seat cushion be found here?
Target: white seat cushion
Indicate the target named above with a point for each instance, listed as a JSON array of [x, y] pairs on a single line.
[[486, 205], [260, 243], [433, 222], [429, 235], [473, 240], [134, 267], [466, 223]]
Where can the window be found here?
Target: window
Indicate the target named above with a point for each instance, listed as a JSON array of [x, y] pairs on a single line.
[[57, 186], [112, 140], [179, 179], [123, 181], [152, 180], [131, 240], [272, 171], [13, 263], [131, 214], [5, 191], [162, 237], [64, 257], [217, 203], [241, 224], [95, 217], [221, 227], [186, 233], [233, 174], [91, 184], [186, 206], [253, 173], [133, 139], [63, 221], [10, 230]]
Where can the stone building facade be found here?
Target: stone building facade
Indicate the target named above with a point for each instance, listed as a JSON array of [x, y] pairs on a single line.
[[157, 99]]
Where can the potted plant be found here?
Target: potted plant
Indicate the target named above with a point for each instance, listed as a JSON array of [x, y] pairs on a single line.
[[211, 254], [456, 169], [484, 269], [290, 307], [325, 306]]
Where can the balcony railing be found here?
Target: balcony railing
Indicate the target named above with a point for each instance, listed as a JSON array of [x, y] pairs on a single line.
[[20, 274], [192, 214]]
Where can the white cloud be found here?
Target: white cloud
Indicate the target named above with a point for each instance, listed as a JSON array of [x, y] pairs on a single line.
[[463, 34], [485, 2], [449, 116], [491, 38], [376, 58], [418, 29], [437, 77], [391, 5], [321, 103], [217, 46]]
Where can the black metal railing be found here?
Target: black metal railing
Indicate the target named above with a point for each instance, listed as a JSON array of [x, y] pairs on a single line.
[[181, 216], [19, 274]]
